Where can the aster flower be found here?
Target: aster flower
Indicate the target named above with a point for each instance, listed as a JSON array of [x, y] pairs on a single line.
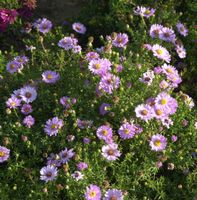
[[110, 152], [43, 25], [12, 67], [104, 108], [158, 142], [174, 138], [181, 51], [155, 30], [79, 28], [13, 102], [77, 175], [182, 29], [92, 56], [160, 112], [82, 165], [28, 94], [48, 173], [104, 132], [82, 124], [175, 79], [163, 84], [168, 69], [65, 101], [167, 122], [21, 60], [109, 83], [120, 40], [26, 109], [144, 12], [77, 49], [53, 126], [67, 43], [138, 128], [163, 100], [66, 155], [93, 192], [144, 112], [54, 160], [29, 121], [161, 53], [86, 140], [4, 154], [113, 194], [126, 131], [50, 76], [167, 34], [148, 77]]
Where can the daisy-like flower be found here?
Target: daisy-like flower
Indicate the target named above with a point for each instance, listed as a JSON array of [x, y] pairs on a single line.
[[110, 152], [77, 175], [50, 76], [77, 49], [54, 159], [144, 112], [29, 121], [158, 142], [155, 30], [161, 53], [92, 56], [163, 84], [168, 69], [126, 131], [167, 122], [120, 40], [144, 12], [181, 51], [43, 25], [67, 43], [104, 132], [12, 67], [160, 112], [13, 102], [82, 165], [53, 126], [26, 109], [66, 155], [182, 29], [79, 28], [148, 77], [175, 79], [21, 60], [28, 94], [48, 173], [167, 34], [4, 154], [109, 83], [93, 192], [104, 108], [164, 100], [113, 194]]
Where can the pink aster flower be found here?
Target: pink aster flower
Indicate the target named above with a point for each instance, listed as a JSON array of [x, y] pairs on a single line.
[[181, 51], [163, 100], [147, 77], [144, 12], [182, 29], [111, 152], [13, 102], [161, 53], [168, 69], [104, 132], [126, 131], [158, 142], [93, 192], [26, 109], [92, 56], [79, 28], [28, 94], [120, 40], [167, 122], [163, 84], [4, 154], [160, 112], [77, 175], [155, 30], [68, 43], [82, 165], [167, 34], [144, 112], [174, 138], [29, 121], [113, 194], [66, 155], [50, 76], [48, 173]]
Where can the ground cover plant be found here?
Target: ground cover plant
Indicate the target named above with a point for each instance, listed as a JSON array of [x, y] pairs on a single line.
[[108, 122]]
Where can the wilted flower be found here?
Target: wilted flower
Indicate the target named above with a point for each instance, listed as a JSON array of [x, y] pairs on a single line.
[[147, 77], [181, 51], [174, 138], [48, 173], [144, 12], [77, 175]]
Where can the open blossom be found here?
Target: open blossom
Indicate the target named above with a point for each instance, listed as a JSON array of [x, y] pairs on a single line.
[[13, 67], [29, 121], [53, 126], [144, 12], [28, 94], [93, 192], [182, 29], [66, 155], [147, 77], [13, 102], [167, 122], [168, 69], [113, 194], [21, 60], [167, 34], [48, 173], [104, 132], [126, 131], [92, 56], [155, 30], [82, 165], [144, 112], [50, 76], [181, 51], [161, 53], [26, 109], [158, 142], [43, 25], [79, 28], [120, 40], [77, 175], [4, 154], [68, 43], [163, 84], [111, 152]]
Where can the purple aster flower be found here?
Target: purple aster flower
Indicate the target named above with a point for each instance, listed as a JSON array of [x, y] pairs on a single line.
[[67, 43], [82, 165], [28, 94], [52, 126], [158, 142], [12, 67], [144, 12], [120, 40], [111, 152], [65, 101], [113, 194], [4, 154], [163, 84], [104, 108], [109, 82], [118, 68], [104, 132], [174, 138], [155, 30], [77, 175], [148, 77], [144, 112], [48, 173], [26, 109], [84, 123], [79, 28], [167, 34], [50, 76], [160, 112], [66, 155], [92, 56], [126, 131], [161, 53], [93, 192], [86, 140], [157, 70], [138, 128], [148, 47], [181, 51], [54, 160], [175, 79], [43, 25], [77, 49], [29, 121], [163, 100], [167, 122], [21, 60], [182, 29], [13, 102], [168, 69]]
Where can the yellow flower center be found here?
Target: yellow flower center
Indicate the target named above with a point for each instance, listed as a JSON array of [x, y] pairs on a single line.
[[13, 103], [182, 28], [2, 153], [104, 132], [12, 66], [53, 126], [163, 101], [157, 143], [49, 76], [147, 12], [92, 194], [144, 112], [159, 112], [97, 66], [126, 131], [111, 152], [169, 70], [159, 51]]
